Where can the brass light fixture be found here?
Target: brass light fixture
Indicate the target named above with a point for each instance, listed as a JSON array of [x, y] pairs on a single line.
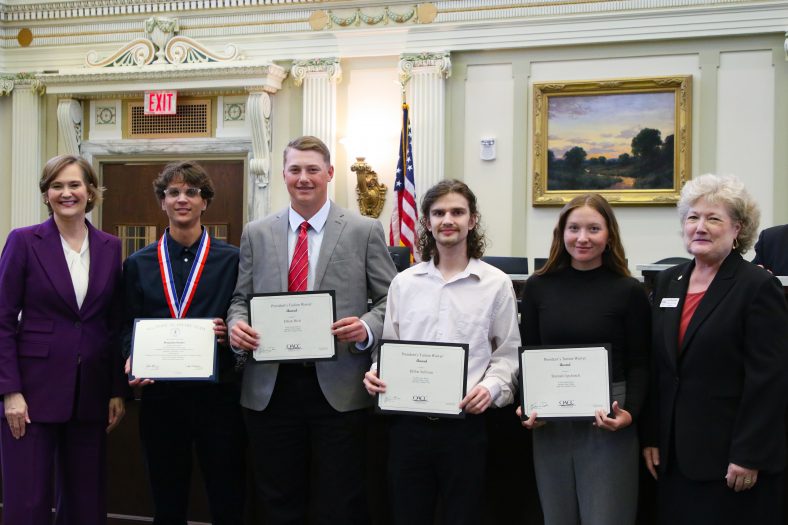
[[371, 193]]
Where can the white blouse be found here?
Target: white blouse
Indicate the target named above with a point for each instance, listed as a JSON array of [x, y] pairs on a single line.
[[79, 267]]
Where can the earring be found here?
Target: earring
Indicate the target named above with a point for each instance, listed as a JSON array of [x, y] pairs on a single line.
[[735, 243]]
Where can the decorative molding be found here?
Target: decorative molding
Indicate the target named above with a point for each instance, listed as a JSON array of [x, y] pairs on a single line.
[[440, 63], [105, 116], [259, 104], [222, 76], [9, 82], [69, 124], [234, 111], [161, 43], [106, 8], [464, 25], [786, 46], [329, 66]]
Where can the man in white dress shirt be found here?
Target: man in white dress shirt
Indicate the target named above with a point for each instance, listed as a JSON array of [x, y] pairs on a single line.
[[450, 297]]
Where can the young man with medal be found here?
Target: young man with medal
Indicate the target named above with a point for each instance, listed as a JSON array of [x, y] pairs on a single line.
[[187, 274]]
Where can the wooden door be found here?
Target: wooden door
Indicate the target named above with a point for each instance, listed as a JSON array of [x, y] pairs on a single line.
[[132, 212]]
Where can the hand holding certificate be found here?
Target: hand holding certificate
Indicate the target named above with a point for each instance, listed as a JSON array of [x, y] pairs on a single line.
[[294, 326], [564, 382], [174, 349], [422, 378]]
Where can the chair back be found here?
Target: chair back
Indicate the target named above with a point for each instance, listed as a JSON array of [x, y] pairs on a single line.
[[509, 265]]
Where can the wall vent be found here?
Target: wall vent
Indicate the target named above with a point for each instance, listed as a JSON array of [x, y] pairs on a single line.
[[193, 119]]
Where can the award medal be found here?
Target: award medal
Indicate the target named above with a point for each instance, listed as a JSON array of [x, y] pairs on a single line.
[[179, 306]]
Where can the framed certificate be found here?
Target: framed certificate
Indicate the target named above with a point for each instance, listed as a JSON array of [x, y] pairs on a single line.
[[173, 349], [565, 382], [427, 379], [294, 326]]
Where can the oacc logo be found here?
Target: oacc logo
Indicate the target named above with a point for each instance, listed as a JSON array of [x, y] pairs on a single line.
[[293, 346], [419, 398]]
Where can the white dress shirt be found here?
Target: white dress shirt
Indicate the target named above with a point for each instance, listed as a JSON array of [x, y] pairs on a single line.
[[78, 267], [477, 306], [314, 239]]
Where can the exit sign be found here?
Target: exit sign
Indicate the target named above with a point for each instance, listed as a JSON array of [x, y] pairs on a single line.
[[161, 102]]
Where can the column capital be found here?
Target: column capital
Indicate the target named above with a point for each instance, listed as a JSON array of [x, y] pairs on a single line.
[[436, 63], [328, 67], [22, 80]]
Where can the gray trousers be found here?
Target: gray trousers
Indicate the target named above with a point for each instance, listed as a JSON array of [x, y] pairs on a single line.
[[585, 474]]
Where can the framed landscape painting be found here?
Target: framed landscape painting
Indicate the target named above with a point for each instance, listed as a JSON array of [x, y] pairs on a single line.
[[626, 139]]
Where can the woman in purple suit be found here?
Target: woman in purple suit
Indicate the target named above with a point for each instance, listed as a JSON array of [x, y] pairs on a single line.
[[61, 380]]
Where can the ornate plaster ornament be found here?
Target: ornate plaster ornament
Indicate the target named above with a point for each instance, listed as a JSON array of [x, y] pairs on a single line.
[[439, 62], [162, 46]]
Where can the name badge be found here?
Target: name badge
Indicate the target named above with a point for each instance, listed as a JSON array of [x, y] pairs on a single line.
[[669, 302]]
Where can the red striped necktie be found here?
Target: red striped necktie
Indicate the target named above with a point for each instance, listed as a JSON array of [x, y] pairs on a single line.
[[299, 266]]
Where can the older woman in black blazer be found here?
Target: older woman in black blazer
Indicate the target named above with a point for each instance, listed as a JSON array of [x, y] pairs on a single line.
[[720, 344]]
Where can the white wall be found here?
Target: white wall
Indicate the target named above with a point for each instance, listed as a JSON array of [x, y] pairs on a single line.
[[745, 120], [368, 125], [489, 91]]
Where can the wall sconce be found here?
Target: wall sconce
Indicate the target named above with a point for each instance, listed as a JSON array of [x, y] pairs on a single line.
[[371, 193]]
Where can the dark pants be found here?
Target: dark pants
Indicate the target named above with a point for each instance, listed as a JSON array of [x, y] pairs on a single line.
[[432, 459], [77, 452], [300, 436], [682, 501], [175, 419]]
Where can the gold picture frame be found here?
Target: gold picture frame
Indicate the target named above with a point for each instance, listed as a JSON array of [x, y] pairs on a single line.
[[582, 129]]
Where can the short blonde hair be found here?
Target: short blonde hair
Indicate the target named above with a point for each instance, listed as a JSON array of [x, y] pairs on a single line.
[[731, 193]]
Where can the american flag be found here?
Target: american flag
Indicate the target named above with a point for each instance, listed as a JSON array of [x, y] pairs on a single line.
[[405, 215]]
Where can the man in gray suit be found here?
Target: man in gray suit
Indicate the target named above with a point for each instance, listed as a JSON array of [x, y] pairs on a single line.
[[304, 418]]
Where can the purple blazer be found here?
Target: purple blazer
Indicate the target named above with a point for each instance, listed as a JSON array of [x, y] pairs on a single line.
[[42, 350]]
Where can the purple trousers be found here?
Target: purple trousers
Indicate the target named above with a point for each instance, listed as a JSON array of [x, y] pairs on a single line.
[[75, 451]]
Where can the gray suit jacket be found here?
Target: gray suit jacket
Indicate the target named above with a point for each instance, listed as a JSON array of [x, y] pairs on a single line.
[[354, 261]]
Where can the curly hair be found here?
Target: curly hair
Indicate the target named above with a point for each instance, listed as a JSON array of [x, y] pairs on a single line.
[[613, 257], [731, 193], [55, 165], [476, 241], [188, 172]]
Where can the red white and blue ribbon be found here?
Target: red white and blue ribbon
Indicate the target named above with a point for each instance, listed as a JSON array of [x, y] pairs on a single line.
[[179, 306]]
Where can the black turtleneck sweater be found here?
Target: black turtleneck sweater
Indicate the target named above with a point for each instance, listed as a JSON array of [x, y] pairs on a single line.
[[570, 306]]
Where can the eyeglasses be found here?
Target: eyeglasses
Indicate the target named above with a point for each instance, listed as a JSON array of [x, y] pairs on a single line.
[[174, 193]]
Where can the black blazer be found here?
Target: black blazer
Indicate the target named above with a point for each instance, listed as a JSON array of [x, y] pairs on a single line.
[[771, 250], [722, 396]]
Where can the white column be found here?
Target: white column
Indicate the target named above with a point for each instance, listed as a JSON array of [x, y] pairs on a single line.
[[425, 75], [26, 150], [69, 124], [319, 77]]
